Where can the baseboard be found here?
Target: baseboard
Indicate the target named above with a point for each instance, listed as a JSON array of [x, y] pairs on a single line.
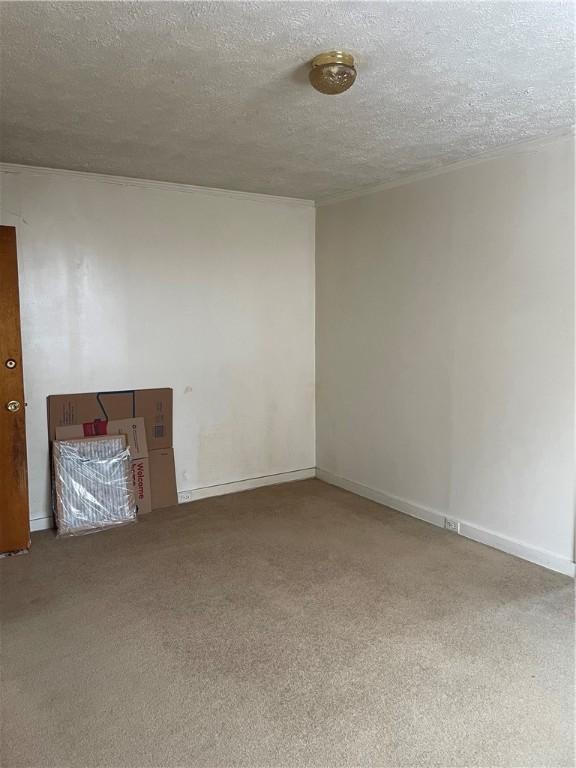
[[41, 523], [427, 514], [244, 485], [518, 548], [470, 531]]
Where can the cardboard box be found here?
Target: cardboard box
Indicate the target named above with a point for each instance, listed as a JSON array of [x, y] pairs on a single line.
[[134, 430], [163, 478], [141, 484], [103, 412], [153, 405]]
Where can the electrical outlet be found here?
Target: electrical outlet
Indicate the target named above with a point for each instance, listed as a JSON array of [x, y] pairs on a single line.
[[451, 525], [184, 496]]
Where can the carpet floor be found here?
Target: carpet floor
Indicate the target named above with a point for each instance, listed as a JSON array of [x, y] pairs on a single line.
[[296, 625]]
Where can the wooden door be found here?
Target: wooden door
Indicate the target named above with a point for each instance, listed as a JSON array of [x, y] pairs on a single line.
[[14, 518]]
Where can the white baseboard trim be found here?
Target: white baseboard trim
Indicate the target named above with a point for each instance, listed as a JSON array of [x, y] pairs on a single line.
[[41, 523], [470, 531], [518, 548], [184, 497], [427, 514]]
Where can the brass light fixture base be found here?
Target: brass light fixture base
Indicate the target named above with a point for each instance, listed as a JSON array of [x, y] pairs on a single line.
[[332, 72]]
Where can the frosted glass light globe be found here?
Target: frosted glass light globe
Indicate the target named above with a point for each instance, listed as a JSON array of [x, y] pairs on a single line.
[[332, 72]]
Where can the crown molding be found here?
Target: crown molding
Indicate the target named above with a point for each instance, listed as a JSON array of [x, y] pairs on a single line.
[[517, 147], [166, 186]]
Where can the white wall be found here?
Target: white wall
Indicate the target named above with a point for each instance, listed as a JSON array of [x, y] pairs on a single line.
[[132, 286], [445, 348], [445, 333]]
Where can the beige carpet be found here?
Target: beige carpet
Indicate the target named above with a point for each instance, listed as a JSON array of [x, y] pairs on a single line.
[[297, 625]]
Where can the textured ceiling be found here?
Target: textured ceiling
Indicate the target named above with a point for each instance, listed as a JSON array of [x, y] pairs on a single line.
[[215, 93]]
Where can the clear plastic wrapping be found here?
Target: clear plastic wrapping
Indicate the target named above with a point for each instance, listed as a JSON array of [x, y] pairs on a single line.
[[93, 484]]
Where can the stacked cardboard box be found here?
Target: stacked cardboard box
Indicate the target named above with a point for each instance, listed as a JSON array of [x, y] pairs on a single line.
[[144, 416]]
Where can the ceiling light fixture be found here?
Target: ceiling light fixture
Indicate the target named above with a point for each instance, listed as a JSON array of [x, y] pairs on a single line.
[[332, 72]]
